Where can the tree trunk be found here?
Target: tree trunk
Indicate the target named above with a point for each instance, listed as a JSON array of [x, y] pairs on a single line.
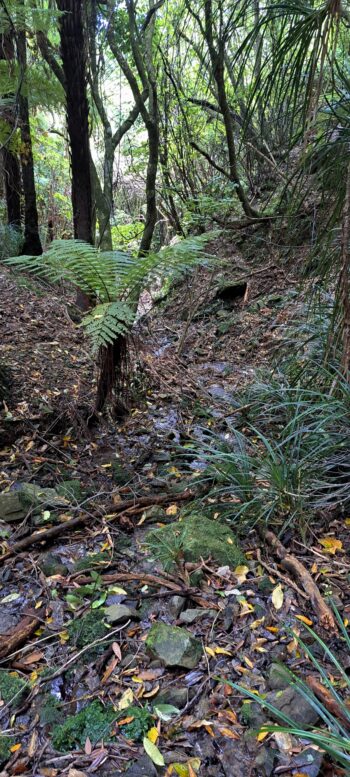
[[217, 59], [74, 67], [32, 244], [11, 168]]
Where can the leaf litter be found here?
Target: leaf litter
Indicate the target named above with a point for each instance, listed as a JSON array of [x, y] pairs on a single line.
[[78, 694]]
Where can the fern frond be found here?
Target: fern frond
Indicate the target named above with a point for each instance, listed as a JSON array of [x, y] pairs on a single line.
[[106, 322]]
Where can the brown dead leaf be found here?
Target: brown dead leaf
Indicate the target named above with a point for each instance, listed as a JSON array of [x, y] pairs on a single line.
[[32, 658], [76, 773], [33, 744], [88, 746], [117, 651], [109, 669]]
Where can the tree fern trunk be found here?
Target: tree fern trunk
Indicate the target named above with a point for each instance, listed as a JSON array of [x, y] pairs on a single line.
[[112, 365], [11, 168]]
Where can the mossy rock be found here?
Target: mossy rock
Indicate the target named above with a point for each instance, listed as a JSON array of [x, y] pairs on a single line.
[[174, 646], [37, 499], [12, 688], [195, 537], [121, 475], [94, 722]]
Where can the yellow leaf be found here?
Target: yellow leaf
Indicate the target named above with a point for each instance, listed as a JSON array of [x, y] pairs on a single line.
[[222, 651], [64, 637], [241, 573], [230, 542], [15, 748], [257, 623], [210, 652], [153, 734], [277, 597], [38, 604], [228, 732], [262, 735], [331, 545], [137, 679], [304, 619], [272, 629], [172, 510], [347, 521], [33, 676], [126, 700]]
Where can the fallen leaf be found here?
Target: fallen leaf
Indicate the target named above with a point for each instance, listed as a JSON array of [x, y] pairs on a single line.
[[153, 735], [33, 744], [88, 746], [240, 573], [277, 597], [331, 545], [76, 773], [109, 669], [153, 753], [210, 651], [284, 741], [126, 699], [15, 748], [262, 735], [172, 510], [116, 650], [229, 733], [304, 619]]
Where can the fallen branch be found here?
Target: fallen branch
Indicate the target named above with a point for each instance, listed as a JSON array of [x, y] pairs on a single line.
[[325, 696], [129, 506], [291, 564], [276, 573], [20, 633]]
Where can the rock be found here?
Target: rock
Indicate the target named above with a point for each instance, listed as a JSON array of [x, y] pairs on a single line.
[[173, 646], [11, 507], [279, 677], [35, 498], [309, 761], [142, 768], [294, 705], [176, 604], [264, 761], [50, 564], [176, 696], [120, 612], [236, 760], [192, 615]]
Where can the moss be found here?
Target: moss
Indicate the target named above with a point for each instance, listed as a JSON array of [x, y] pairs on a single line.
[[12, 688], [70, 489], [51, 711], [93, 722], [92, 560], [84, 631], [193, 538], [5, 752], [141, 723]]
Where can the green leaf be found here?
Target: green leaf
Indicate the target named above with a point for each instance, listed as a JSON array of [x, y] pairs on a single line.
[[98, 602], [153, 752], [165, 711]]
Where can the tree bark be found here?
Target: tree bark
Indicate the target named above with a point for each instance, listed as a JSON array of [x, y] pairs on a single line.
[[74, 68], [32, 243], [11, 168]]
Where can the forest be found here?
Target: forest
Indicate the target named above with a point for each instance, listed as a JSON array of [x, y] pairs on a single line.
[[174, 388]]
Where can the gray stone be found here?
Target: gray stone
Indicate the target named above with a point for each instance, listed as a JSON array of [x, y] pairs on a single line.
[[120, 612], [142, 768], [36, 498], [192, 615], [176, 696], [11, 508], [174, 646], [294, 705], [50, 564], [309, 761], [264, 761], [176, 604], [236, 760], [279, 677]]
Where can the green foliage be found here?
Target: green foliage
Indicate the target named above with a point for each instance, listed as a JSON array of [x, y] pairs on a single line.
[[84, 631], [114, 278], [11, 241], [141, 722], [12, 688], [5, 752], [94, 722], [334, 739]]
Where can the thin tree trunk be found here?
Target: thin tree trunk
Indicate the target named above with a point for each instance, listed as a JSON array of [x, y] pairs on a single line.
[[74, 67], [32, 243], [217, 58], [11, 168]]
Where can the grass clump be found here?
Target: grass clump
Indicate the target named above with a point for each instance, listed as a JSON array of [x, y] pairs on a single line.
[[193, 538], [94, 722], [12, 688]]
